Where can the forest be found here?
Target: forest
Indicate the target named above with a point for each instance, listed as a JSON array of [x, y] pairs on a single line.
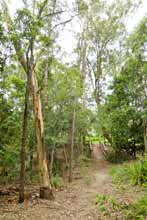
[[73, 110]]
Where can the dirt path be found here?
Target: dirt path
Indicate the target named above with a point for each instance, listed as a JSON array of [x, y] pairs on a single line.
[[76, 202]]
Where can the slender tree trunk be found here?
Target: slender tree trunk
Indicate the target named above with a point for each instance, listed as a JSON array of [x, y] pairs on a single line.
[[45, 186], [65, 156], [48, 63], [31, 164], [52, 160], [134, 149], [81, 145], [145, 137], [23, 143], [48, 60], [72, 147]]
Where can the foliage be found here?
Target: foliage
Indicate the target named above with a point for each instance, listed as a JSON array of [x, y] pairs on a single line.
[[33, 34], [116, 157], [100, 199], [12, 89], [83, 160], [108, 205], [57, 181], [114, 208], [87, 180], [134, 173], [138, 210], [122, 113]]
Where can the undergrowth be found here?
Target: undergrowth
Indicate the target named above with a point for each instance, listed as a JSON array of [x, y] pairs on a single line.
[[57, 181], [134, 174], [88, 180], [116, 158], [83, 161], [114, 208]]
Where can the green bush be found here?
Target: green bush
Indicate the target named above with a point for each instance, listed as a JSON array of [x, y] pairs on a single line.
[[88, 180], [100, 199], [135, 173], [113, 208], [9, 164], [121, 174], [139, 173], [101, 203], [138, 210], [57, 181], [82, 160], [114, 157]]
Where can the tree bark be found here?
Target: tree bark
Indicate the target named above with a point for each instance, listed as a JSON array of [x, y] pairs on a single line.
[[145, 137], [72, 147], [45, 186], [52, 160], [65, 155], [23, 143], [48, 59]]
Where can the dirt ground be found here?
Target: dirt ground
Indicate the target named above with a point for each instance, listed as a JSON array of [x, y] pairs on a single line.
[[74, 202]]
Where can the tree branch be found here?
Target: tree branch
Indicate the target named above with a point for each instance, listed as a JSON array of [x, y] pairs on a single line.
[[65, 22], [42, 8], [54, 13], [90, 75], [15, 40]]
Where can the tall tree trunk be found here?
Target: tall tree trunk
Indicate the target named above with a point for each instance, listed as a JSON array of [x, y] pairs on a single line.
[[48, 63], [23, 143], [48, 59], [27, 63], [72, 147], [45, 186], [65, 156], [98, 75]]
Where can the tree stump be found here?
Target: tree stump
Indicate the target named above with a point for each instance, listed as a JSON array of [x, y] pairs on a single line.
[[46, 193]]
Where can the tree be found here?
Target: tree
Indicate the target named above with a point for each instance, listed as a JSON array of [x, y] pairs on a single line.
[[123, 116], [138, 64], [26, 35], [24, 141], [102, 29], [127, 103]]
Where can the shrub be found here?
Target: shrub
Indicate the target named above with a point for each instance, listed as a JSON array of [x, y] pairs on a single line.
[[138, 210], [139, 173], [100, 202], [88, 179], [57, 181], [135, 173], [113, 208], [100, 199], [121, 174], [9, 164], [114, 157], [83, 160]]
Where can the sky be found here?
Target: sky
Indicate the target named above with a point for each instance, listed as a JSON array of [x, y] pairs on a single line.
[[138, 15], [67, 40]]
